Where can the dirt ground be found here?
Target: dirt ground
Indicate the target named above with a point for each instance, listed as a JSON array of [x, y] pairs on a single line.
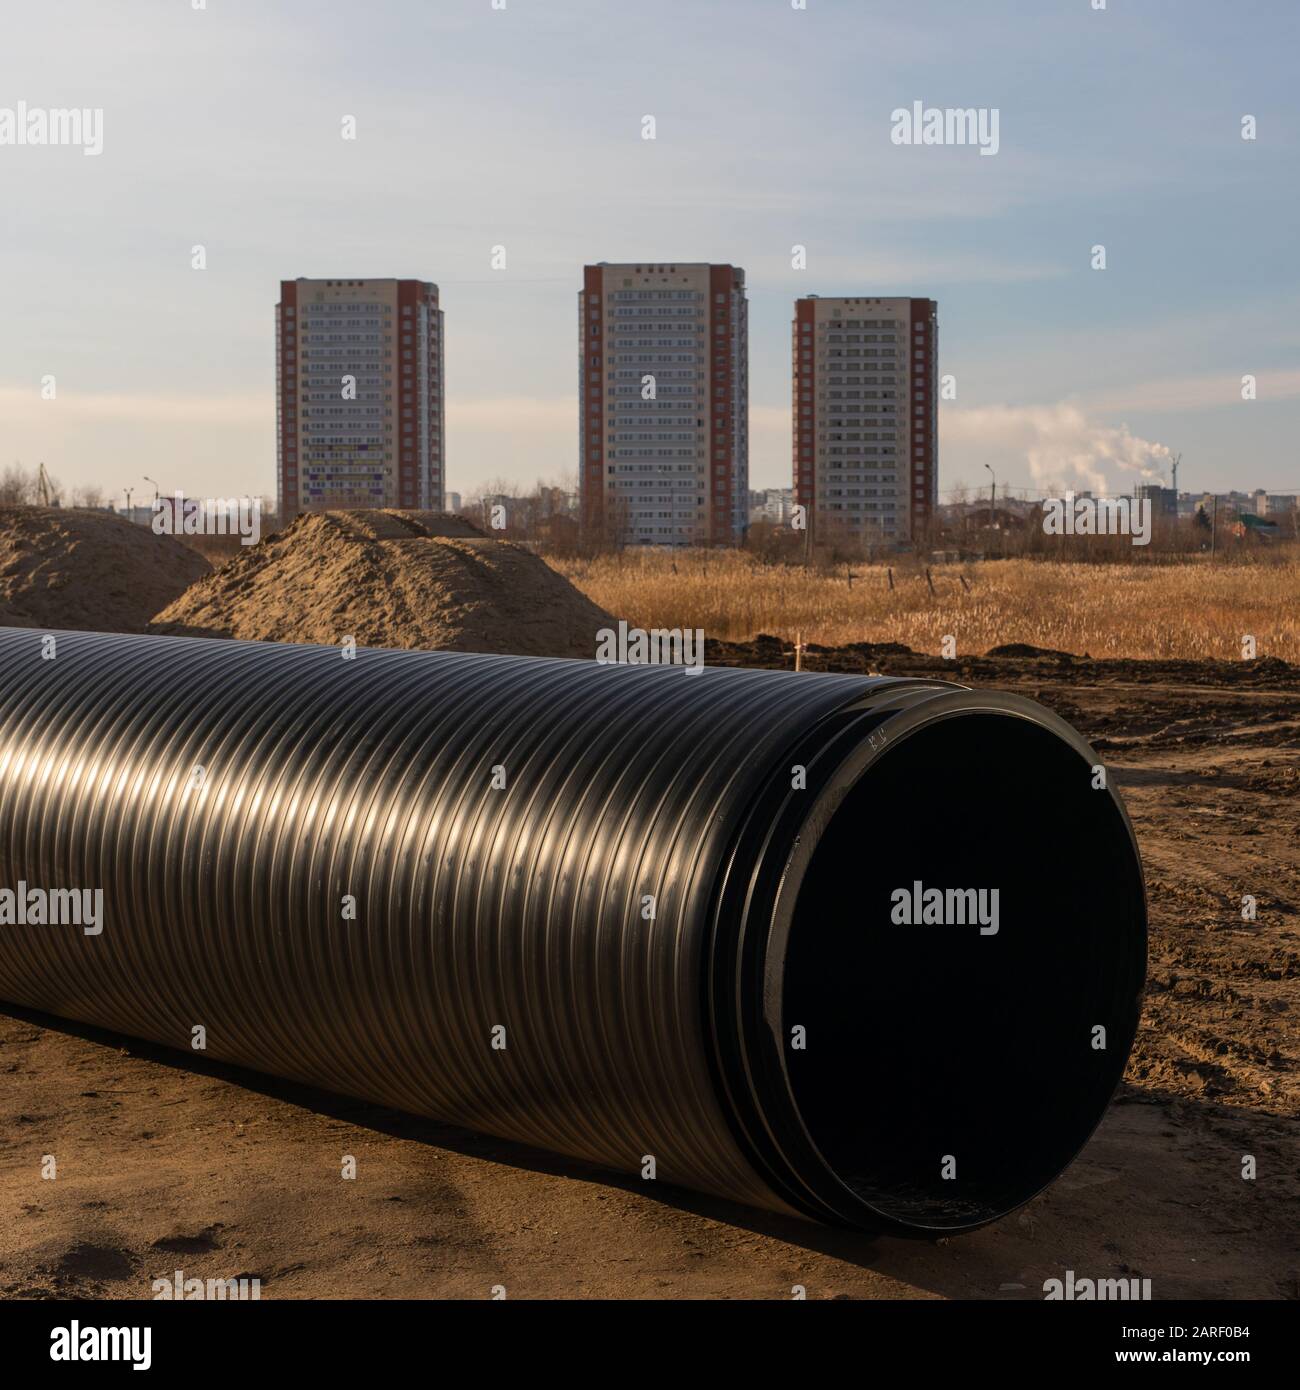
[[164, 1165]]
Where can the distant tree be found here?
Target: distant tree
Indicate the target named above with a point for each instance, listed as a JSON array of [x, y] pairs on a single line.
[[17, 486], [496, 492]]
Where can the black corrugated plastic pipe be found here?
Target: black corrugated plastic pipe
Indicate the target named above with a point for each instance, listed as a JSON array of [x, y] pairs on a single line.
[[620, 912]]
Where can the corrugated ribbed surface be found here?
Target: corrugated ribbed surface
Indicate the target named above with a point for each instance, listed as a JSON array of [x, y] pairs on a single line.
[[476, 907]]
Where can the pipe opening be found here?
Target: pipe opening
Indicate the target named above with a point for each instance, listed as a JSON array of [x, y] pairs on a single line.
[[952, 1067]]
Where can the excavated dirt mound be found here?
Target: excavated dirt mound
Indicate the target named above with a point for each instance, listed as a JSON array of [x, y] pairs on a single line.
[[87, 570], [390, 579]]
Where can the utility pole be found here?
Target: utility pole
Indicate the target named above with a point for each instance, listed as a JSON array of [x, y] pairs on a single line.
[[1214, 524], [156, 491], [993, 494], [128, 492]]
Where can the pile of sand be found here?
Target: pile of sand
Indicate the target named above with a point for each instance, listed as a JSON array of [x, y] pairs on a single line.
[[68, 568], [390, 579]]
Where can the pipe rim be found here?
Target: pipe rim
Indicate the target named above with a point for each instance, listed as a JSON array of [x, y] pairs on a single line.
[[774, 1126]]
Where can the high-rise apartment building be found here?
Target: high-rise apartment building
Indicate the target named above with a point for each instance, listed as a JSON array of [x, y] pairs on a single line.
[[865, 416], [664, 396], [359, 374]]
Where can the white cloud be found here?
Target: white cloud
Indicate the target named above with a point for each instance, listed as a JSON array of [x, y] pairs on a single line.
[[1057, 446]]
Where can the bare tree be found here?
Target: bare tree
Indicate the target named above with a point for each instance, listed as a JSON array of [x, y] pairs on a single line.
[[495, 492], [17, 486]]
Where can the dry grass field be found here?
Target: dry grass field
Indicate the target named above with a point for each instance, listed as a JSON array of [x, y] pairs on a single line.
[[1192, 610]]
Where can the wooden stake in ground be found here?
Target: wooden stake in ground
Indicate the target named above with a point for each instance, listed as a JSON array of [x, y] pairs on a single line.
[[928, 580], [890, 573], [798, 651]]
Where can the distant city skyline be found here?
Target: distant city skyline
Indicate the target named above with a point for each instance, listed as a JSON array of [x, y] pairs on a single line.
[[526, 160]]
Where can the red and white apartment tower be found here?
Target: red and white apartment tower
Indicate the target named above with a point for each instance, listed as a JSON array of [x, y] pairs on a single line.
[[865, 416], [664, 400], [359, 377]]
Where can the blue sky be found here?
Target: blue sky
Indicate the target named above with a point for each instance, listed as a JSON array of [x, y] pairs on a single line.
[[522, 127]]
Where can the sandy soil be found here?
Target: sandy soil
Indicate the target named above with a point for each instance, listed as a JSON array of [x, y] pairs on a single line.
[[390, 578], [64, 567], [165, 1165]]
